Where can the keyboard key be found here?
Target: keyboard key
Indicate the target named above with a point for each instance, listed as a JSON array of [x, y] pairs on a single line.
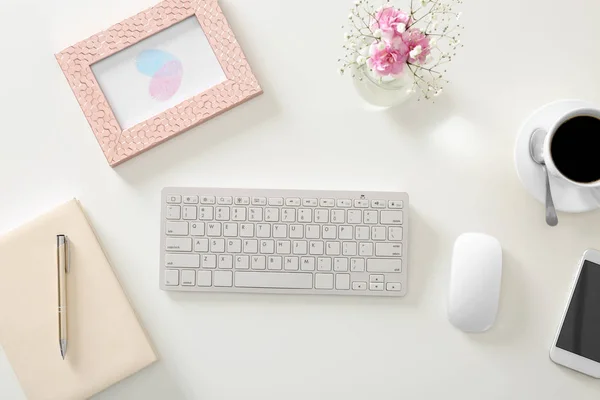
[[209, 261], [291, 263], [324, 264], [251, 246], [242, 201], [213, 229], [365, 249], [171, 277], [197, 229], [182, 260], [361, 233], [274, 263], [188, 278], [259, 201], [200, 245], [300, 247], [276, 201], [205, 213], [246, 230], [304, 215], [274, 280], [344, 203], [391, 217], [370, 217], [333, 248], [394, 286], [395, 233], [174, 198], [345, 232], [378, 203], [296, 231], [176, 228], [342, 281], [259, 262], [204, 278], [376, 286], [241, 262], [376, 278], [292, 202], [190, 212], [234, 246], [388, 249], [329, 232], [357, 265], [173, 212], [288, 215], [363, 203], [222, 213], [309, 202], [191, 200], [322, 216], [267, 246], [280, 231], [263, 231], [337, 216], [284, 247], [340, 264], [255, 214], [238, 214], [217, 245], [316, 248], [395, 204], [230, 229], [312, 231], [378, 233], [272, 214], [307, 263], [207, 200], [359, 285], [384, 265], [223, 278], [327, 203], [178, 244], [225, 200], [354, 216], [324, 281], [349, 248]]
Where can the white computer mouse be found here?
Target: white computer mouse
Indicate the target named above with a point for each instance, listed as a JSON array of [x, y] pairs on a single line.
[[475, 281]]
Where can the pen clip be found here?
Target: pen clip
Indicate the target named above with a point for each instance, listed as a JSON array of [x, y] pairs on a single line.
[[63, 245]]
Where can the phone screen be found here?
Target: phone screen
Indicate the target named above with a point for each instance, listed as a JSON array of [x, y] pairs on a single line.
[[580, 332]]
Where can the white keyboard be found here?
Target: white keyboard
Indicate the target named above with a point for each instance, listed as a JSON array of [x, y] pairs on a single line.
[[284, 241]]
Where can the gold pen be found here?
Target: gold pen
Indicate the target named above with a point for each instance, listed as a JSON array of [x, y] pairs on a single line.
[[62, 261]]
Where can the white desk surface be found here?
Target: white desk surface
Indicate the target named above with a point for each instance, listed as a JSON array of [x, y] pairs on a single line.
[[310, 130]]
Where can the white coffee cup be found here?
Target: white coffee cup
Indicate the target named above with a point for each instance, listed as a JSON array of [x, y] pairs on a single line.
[[552, 168]]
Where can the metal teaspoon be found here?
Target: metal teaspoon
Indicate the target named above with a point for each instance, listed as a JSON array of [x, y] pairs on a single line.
[[536, 150]]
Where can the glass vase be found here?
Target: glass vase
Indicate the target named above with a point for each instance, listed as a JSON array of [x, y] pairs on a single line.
[[385, 92]]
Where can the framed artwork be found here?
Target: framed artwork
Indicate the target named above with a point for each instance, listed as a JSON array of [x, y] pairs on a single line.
[[157, 74]]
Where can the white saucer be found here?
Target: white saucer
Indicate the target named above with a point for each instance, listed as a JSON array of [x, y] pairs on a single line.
[[567, 197]]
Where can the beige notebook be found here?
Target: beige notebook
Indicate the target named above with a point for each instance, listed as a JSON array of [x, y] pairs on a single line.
[[106, 341]]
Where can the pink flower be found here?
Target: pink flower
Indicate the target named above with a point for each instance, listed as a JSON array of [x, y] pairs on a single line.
[[413, 38], [390, 21], [388, 58]]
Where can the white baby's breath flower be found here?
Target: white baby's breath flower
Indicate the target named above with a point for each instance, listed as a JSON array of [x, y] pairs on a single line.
[[438, 92], [401, 28], [341, 71], [414, 53], [357, 2], [458, 16], [377, 33], [346, 36], [350, 16], [424, 2], [360, 60], [381, 46]]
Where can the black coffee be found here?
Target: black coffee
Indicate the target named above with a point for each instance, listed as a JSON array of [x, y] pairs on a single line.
[[575, 149]]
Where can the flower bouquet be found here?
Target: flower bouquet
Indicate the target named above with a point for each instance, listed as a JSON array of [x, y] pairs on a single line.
[[402, 51]]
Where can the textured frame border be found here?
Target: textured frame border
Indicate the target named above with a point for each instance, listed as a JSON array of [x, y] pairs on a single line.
[[121, 145]]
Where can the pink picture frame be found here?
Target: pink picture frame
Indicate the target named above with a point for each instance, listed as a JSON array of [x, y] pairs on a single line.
[[120, 145]]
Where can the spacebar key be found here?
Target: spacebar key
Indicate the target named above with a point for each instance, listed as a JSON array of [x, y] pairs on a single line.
[[273, 280]]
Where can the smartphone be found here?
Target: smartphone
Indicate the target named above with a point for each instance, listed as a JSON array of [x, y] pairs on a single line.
[[577, 342]]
